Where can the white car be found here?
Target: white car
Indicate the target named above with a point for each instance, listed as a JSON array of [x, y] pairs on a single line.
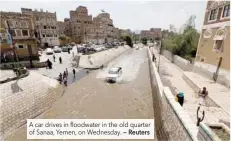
[[57, 49], [113, 74], [49, 51]]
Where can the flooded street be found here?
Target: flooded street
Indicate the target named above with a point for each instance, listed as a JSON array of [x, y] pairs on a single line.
[[92, 98]]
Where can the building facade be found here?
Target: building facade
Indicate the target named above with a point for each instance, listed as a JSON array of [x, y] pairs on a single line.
[[103, 30], [45, 25], [61, 28], [213, 50], [151, 34], [214, 43], [23, 44], [81, 24]]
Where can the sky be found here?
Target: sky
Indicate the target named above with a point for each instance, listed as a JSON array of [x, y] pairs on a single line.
[[134, 15]]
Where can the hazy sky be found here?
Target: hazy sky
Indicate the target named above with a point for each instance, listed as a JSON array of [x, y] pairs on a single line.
[[135, 15]]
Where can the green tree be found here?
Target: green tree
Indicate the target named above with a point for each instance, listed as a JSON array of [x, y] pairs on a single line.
[[185, 44], [144, 41], [129, 41]]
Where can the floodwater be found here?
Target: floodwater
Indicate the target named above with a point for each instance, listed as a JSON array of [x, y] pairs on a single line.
[[130, 62]]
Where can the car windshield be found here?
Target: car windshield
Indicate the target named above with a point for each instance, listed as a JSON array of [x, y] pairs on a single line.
[[113, 71]]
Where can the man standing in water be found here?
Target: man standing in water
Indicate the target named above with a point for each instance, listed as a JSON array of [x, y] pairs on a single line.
[[73, 72]]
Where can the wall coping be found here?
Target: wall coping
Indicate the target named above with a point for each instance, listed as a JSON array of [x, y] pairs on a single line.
[[158, 80], [182, 115]]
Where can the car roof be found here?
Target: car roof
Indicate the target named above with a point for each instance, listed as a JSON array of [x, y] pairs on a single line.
[[115, 68]]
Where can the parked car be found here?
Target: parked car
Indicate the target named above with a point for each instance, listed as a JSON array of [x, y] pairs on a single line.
[[64, 49], [113, 74], [57, 49], [49, 51]]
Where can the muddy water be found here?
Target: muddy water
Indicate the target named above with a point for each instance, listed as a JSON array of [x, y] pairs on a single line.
[[92, 98]]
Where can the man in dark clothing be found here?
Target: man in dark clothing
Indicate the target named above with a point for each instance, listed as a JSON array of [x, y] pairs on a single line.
[[49, 64], [153, 57], [64, 74], [73, 72], [60, 60], [54, 57]]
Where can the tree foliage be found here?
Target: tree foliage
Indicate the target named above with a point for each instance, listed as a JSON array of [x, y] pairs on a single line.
[[185, 44], [144, 41], [128, 41]]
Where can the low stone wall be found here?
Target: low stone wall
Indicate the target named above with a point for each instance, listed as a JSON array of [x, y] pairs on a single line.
[[171, 121], [168, 55], [26, 64], [208, 71], [179, 61], [206, 134], [98, 59], [196, 88]]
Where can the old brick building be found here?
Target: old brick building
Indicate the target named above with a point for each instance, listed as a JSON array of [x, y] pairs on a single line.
[[45, 25], [151, 34], [103, 29], [22, 30], [81, 24]]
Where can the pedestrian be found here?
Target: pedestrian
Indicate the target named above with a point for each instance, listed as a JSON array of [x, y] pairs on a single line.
[[60, 78], [60, 60], [54, 57], [49, 64], [180, 97], [202, 96], [153, 57], [73, 72], [65, 81], [64, 74], [66, 71]]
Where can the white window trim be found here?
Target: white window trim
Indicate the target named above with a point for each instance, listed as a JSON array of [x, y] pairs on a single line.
[[23, 26], [209, 21], [218, 50], [17, 33], [223, 18], [27, 31]]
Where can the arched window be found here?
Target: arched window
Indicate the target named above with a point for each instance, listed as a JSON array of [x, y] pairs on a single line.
[[10, 22], [208, 33], [220, 34], [23, 24]]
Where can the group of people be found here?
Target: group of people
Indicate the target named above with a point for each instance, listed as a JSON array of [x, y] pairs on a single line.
[[202, 97], [63, 77], [60, 59]]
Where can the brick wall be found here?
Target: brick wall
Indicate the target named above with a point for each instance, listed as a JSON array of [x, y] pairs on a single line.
[[172, 122]]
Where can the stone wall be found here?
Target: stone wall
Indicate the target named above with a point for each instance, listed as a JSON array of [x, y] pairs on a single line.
[[208, 70], [171, 121], [22, 64], [168, 55], [179, 61]]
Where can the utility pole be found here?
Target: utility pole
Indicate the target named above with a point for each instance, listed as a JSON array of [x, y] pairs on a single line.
[[13, 46]]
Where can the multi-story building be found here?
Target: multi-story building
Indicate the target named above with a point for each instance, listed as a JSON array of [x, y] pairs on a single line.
[[81, 24], [145, 34], [125, 32], [23, 43], [60, 28], [213, 51], [45, 25], [151, 34], [67, 27]]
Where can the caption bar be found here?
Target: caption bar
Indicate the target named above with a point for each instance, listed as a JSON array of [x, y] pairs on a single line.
[[90, 129]]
